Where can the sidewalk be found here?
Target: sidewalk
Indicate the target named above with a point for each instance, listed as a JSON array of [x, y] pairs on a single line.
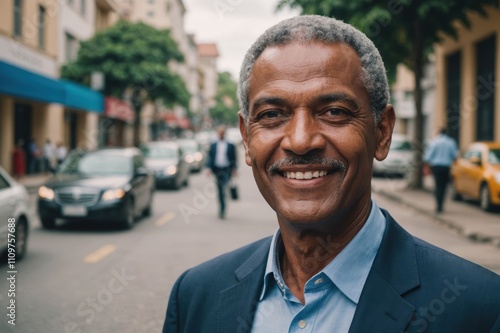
[[464, 217]]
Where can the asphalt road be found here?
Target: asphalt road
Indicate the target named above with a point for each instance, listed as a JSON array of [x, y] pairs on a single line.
[[94, 278]]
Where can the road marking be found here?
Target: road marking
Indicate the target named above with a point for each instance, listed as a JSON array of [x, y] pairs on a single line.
[[165, 219], [99, 254]]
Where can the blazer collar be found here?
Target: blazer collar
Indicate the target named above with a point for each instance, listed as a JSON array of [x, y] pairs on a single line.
[[394, 273], [237, 304]]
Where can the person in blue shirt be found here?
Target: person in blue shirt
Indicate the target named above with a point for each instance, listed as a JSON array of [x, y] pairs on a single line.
[[314, 113], [439, 155]]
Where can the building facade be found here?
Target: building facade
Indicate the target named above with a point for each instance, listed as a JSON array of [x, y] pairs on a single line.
[[468, 72], [32, 98]]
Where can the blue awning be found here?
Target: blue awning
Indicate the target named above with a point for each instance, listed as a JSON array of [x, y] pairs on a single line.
[[21, 83], [81, 97]]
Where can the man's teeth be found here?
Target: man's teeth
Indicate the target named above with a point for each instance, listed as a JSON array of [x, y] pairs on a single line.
[[305, 175]]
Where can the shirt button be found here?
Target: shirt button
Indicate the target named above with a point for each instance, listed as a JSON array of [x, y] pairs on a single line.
[[318, 281], [302, 324]]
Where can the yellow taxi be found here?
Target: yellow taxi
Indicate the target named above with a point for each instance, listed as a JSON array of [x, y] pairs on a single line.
[[476, 174]]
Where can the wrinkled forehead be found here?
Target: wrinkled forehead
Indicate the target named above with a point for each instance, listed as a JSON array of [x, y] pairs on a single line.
[[303, 61]]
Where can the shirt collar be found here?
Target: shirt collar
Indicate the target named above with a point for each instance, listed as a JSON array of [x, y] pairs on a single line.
[[349, 269]]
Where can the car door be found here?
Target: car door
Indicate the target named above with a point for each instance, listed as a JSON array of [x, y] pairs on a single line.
[[459, 173], [7, 207], [477, 173], [471, 170]]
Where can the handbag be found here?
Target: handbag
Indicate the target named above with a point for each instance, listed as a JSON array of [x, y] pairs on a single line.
[[233, 191]]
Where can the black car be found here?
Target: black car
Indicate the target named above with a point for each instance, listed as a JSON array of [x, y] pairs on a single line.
[[105, 184], [165, 158]]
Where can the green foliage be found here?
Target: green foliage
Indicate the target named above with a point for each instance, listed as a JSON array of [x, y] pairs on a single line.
[[395, 25], [133, 58], [225, 110]]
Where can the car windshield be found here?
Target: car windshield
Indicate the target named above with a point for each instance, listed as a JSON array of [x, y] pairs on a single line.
[[400, 145], [158, 152], [95, 164], [189, 147], [494, 156]]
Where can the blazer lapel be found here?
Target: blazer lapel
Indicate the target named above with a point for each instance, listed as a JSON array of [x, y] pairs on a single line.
[[237, 304], [381, 307]]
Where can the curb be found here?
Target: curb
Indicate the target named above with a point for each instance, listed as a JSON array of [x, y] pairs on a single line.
[[469, 234]]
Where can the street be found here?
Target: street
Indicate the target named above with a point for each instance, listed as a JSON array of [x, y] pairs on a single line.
[[93, 278]]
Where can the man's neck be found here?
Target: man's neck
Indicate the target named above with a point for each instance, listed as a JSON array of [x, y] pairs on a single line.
[[305, 253]]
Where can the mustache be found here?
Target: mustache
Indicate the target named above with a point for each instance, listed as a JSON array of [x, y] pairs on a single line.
[[313, 159]]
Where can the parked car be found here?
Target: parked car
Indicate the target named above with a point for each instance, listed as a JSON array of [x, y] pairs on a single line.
[[399, 161], [476, 174], [105, 184], [14, 204], [167, 162], [194, 154]]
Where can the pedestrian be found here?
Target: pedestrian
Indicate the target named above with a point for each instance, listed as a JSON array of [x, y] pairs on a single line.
[[19, 160], [222, 163], [61, 152], [34, 157], [48, 156], [314, 113], [439, 155]]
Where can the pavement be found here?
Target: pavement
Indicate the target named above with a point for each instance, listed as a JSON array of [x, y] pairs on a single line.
[[464, 217]]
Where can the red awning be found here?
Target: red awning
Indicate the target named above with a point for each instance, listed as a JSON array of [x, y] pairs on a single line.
[[117, 109]]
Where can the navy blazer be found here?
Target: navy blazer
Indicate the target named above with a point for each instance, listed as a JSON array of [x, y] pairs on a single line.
[[412, 287], [231, 156]]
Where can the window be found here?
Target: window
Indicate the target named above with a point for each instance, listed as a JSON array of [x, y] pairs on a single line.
[[72, 46], [3, 183], [82, 7], [18, 16], [151, 13], [41, 27]]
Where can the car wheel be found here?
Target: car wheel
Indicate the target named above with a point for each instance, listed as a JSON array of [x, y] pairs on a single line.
[[186, 182], [455, 196], [484, 200], [21, 238], [48, 223], [129, 219]]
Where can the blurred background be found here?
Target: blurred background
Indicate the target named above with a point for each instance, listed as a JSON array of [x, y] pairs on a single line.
[[96, 86]]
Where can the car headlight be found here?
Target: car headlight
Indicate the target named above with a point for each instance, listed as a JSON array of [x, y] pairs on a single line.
[[189, 158], [113, 194], [497, 177], [198, 156], [46, 193], [170, 170]]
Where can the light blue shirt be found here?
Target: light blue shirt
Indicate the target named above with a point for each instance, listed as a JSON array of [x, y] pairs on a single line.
[[442, 151], [331, 296]]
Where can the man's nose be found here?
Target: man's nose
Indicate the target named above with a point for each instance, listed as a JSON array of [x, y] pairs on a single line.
[[303, 133]]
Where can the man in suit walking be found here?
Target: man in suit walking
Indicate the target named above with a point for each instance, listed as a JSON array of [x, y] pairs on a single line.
[[222, 163], [314, 113]]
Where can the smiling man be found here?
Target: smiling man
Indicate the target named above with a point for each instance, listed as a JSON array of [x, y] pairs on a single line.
[[314, 113]]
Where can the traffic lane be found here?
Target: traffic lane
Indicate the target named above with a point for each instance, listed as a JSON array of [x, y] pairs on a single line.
[[55, 267], [424, 227]]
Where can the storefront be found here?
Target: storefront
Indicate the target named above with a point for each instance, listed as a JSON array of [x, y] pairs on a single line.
[[116, 125], [32, 110]]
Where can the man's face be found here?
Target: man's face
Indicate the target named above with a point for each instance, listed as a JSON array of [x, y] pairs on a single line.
[[309, 117]]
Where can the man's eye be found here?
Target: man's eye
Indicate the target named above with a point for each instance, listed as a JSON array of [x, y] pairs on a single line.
[[270, 114], [336, 112]]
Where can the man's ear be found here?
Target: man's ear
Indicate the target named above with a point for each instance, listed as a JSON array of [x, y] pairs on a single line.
[[244, 135], [383, 132]]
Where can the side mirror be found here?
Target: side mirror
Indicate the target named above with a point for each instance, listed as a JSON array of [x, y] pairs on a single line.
[[475, 160]]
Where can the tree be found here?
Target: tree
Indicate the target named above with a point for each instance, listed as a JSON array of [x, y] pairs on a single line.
[[133, 58], [225, 110], [404, 31]]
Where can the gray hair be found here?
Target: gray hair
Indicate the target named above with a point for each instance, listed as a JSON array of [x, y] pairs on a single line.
[[309, 28]]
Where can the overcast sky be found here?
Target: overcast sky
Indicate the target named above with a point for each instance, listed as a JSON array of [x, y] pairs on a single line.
[[232, 24]]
